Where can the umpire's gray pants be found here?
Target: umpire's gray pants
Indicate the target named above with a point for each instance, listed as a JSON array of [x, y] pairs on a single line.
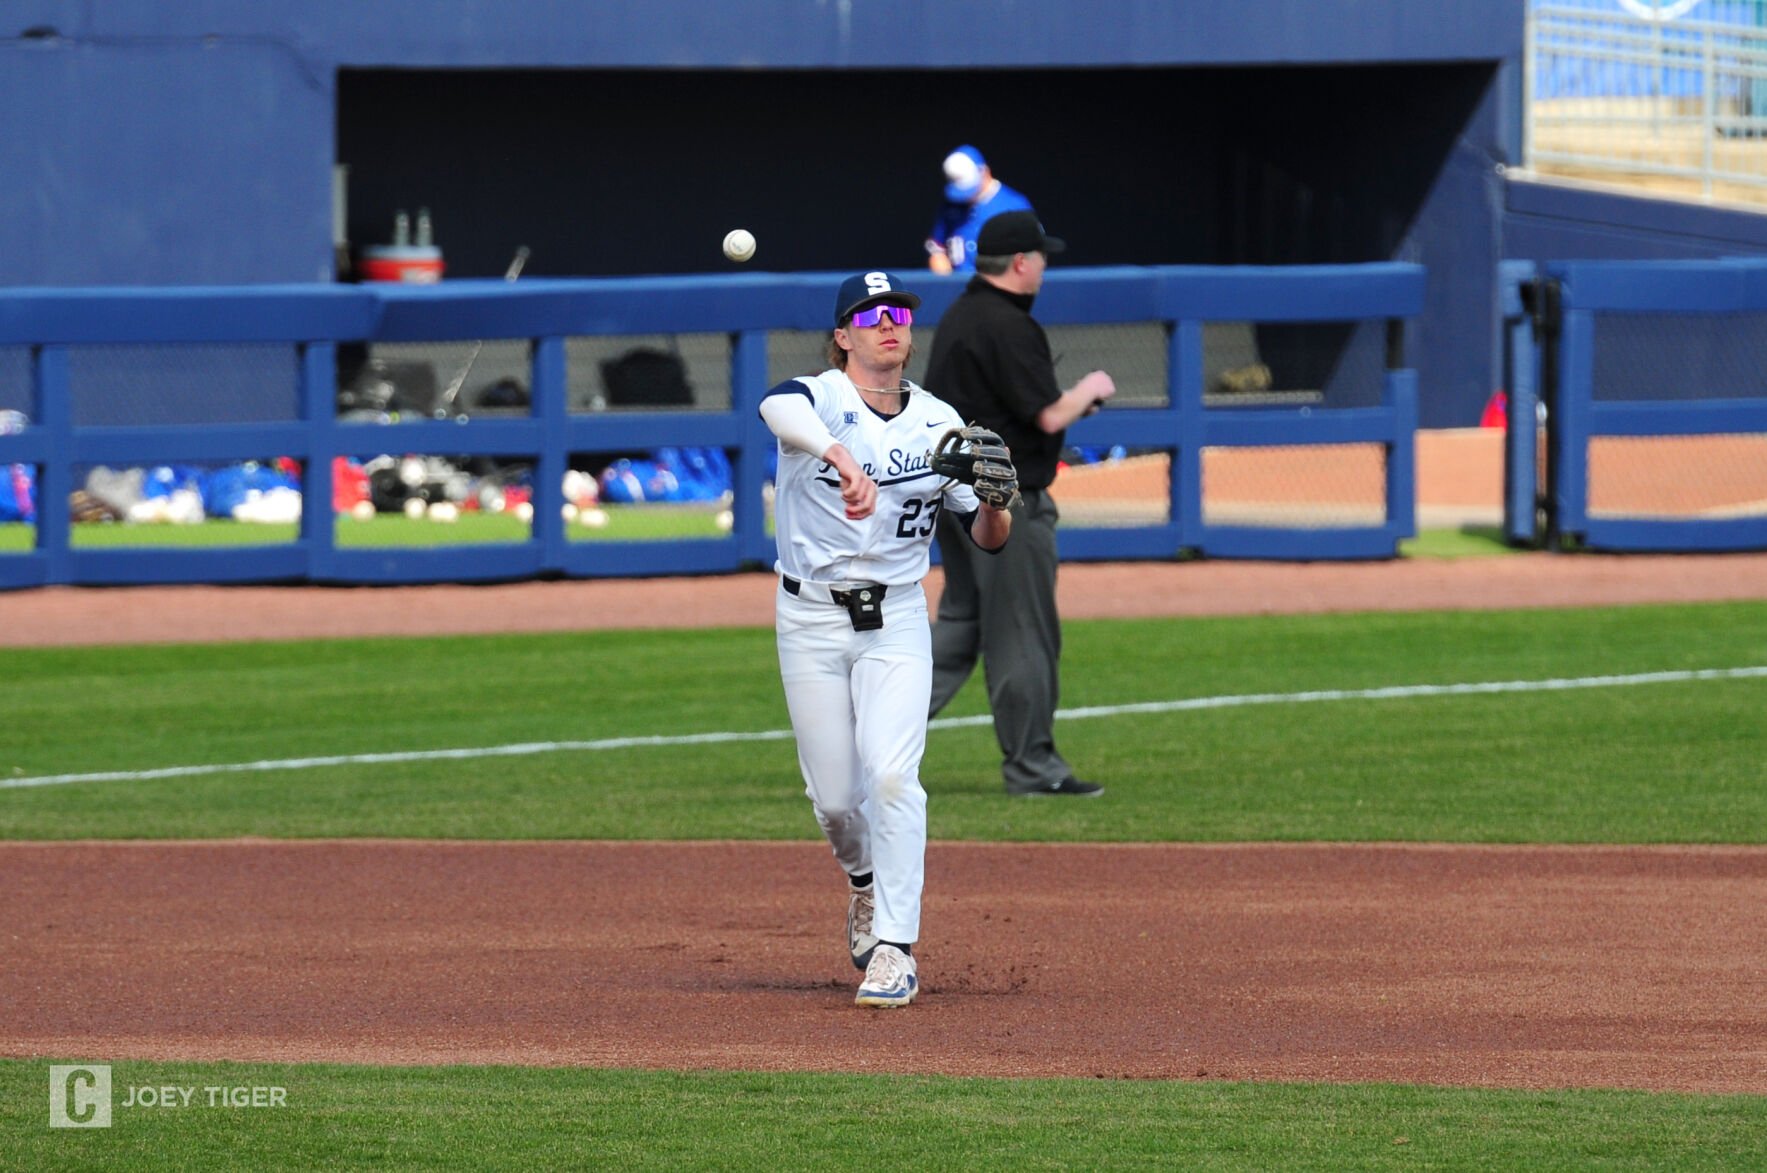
[[1001, 608]]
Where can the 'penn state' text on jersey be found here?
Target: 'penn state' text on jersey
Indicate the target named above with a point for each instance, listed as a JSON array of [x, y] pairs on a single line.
[[817, 541]]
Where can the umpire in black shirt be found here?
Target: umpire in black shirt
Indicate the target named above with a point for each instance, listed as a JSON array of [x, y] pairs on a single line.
[[990, 360]]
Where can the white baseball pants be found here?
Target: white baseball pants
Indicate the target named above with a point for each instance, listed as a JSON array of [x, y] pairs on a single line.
[[858, 703]]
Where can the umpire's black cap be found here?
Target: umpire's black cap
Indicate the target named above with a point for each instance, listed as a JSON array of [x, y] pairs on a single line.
[[1015, 232], [863, 290]]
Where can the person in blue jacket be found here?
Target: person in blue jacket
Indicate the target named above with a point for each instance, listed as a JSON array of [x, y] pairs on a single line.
[[972, 195]]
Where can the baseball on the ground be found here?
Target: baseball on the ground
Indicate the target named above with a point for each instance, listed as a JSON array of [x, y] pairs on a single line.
[[362, 510], [739, 244], [415, 507], [593, 517], [580, 489], [726, 519], [444, 511]]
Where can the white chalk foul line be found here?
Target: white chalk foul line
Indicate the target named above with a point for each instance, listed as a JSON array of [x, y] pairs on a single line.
[[373, 759], [1406, 691], [1394, 692]]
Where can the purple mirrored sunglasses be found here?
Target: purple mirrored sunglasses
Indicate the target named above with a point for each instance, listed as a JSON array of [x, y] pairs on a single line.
[[899, 314]]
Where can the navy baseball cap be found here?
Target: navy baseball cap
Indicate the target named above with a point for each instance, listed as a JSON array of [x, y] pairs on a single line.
[[963, 174], [1015, 232], [863, 290]]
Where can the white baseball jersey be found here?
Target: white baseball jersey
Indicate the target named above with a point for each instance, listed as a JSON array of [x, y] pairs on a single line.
[[817, 541], [858, 699]]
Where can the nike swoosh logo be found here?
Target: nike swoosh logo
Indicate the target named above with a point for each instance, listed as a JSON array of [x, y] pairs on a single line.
[[935, 425]]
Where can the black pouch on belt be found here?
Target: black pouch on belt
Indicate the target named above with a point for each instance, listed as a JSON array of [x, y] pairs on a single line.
[[864, 605]]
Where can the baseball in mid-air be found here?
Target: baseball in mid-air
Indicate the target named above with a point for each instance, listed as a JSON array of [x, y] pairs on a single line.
[[739, 244]]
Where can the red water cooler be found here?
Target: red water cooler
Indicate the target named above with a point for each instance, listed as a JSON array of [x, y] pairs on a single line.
[[414, 261]]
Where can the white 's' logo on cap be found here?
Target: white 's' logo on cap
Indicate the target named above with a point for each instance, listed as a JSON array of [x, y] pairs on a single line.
[[878, 282]]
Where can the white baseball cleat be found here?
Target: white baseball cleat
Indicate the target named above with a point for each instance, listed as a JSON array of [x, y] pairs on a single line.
[[861, 907], [889, 979]]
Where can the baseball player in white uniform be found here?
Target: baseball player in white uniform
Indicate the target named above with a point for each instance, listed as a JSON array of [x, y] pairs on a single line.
[[854, 510]]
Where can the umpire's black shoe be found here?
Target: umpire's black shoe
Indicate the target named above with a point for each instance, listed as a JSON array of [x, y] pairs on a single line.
[[1071, 787]]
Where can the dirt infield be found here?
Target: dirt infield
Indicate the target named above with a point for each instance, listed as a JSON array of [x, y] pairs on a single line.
[[1475, 966], [103, 615], [1452, 965]]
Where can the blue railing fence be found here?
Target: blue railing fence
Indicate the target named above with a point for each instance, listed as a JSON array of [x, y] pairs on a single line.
[[51, 324], [1524, 312], [1553, 313]]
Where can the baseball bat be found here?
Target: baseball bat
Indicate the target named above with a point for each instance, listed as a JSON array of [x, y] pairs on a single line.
[[445, 407]]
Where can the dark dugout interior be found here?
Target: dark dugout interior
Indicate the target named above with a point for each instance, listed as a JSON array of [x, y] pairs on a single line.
[[621, 172]]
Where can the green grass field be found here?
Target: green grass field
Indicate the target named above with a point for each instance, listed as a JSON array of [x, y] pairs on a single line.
[[1672, 760], [525, 1118], [1668, 762]]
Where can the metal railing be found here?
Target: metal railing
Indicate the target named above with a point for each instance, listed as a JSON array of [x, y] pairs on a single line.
[[1633, 458], [53, 325], [1671, 94]]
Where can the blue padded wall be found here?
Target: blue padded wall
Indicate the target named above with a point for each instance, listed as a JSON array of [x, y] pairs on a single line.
[[193, 143]]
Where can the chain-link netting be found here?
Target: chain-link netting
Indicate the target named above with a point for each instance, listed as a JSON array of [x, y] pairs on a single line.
[[1134, 354], [19, 507], [15, 379], [1287, 486], [18, 481], [1655, 357], [1246, 364], [1679, 356], [195, 384], [1115, 492], [603, 372], [1273, 366], [207, 383], [648, 372], [680, 492], [1708, 478], [388, 382], [791, 353], [1315, 486]]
